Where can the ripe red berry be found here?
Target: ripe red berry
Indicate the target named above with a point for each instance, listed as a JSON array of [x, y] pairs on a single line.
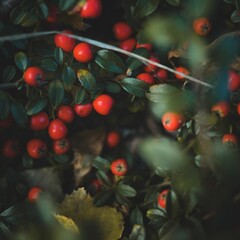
[[33, 194], [238, 109], [122, 31], [11, 148], [65, 113], [162, 74], [162, 198], [83, 52], [103, 104], [83, 110], [202, 26], [149, 68], [181, 70], [146, 77], [36, 148], [113, 139], [233, 81], [230, 139], [33, 76], [91, 9], [221, 108], [172, 121], [128, 45], [52, 16], [119, 167], [64, 42], [6, 122], [57, 129], [148, 46], [39, 121], [61, 146]]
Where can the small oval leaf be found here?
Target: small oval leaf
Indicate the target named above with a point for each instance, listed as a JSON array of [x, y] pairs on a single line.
[[86, 79], [56, 93], [21, 60]]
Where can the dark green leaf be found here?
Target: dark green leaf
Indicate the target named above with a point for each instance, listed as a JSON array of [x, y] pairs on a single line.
[[81, 96], [126, 190], [4, 105], [109, 61], [145, 7], [49, 65], [58, 54], [67, 5], [172, 205], [9, 73], [101, 164], [21, 60], [174, 3], [42, 10], [68, 78], [30, 18], [86, 79], [136, 216], [112, 87], [102, 176], [56, 93], [235, 16], [61, 159], [103, 197], [138, 233], [156, 214], [121, 199], [35, 106], [19, 113], [27, 161], [17, 15], [134, 86]]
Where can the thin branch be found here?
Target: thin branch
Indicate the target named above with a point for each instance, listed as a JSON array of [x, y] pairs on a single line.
[[8, 85], [104, 46]]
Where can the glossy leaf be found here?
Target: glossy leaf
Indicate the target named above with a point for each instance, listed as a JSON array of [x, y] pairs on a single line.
[[86, 79], [9, 73], [21, 60], [174, 3], [58, 55], [49, 65], [112, 87], [144, 8], [67, 5], [126, 190], [68, 78], [42, 10], [19, 113], [101, 164], [56, 93], [36, 105], [81, 95]]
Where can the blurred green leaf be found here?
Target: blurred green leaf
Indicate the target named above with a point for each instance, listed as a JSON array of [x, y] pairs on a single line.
[[86, 79], [103, 197], [49, 65], [56, 93], [62, 159], [4, 105], [81, 95], [102, 176], [126, 190], [156, 214], [19, 113], [136, 216], [235, 16], [68, 77], [17, 15], [9, 73], [101, 164], [36, 105], [42, 10], [30, 18], [58, 55], [138, 233], [174, 3], [112, 87], [21, 60], [67, 5], [144, 8]]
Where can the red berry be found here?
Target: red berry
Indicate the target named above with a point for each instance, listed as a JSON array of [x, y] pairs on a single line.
[[91, 9], [238, 109], [83, 52], [103, 104], [119, 167], [33, 194], [33, 76], [148, 46], [150, 67], [52, 16], [39, 121], [36, 148], [113, 139], [61, 146], [162, 74], [57, 129], [172, 121], [221, 108], [202, 26], [233, 81], [162, 198], [128, 45], [122, 31], [146, 77], [6, 122], [11, 148], [96, 184], [229, 139], [181, 70], [64, 42], [83, 110], [65, 113]]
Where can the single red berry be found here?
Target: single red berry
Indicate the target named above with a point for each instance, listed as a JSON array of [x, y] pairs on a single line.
[[113, 139], [202, 26], [162, 198], [230, 139], [6, 122], [33, 76], [119, 167], [233, 81], [181, 70], [146, 77], [162, 74], [64, 42], [65, 113], [39, 121], [52, 16], [122, 31], [57, 129], [11, 148], [221, 108], [96, 184], [83, 53], [103, 104], [128, 45], [149, 68], [148, 46], [61, 146], [91, 9], [34, 194], [238, 109], [83, 110], [36, 148], [172, 121]]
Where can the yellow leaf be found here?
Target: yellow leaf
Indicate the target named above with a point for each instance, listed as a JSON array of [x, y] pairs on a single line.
[[67, 223]]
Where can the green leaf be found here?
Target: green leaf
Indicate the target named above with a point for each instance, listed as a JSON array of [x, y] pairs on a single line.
[[67, 5], [56, 93], [172, 205], [58, 54], [27, 161], [81, 96], [136, 216], [174, 3], [144, 8], [235, 16], [62, 159], [156, 214], [109, 61], [126, 190], [138, 233], [68, 78], [9, 73], [21, 60], [35, 106], [102, 198], [17, 15], [112, 87], [102, 176], [134, 86], [86, 79], [19, 113], [30, 18], [42, 10], [4, 105], [49, 65], [101, 164]]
